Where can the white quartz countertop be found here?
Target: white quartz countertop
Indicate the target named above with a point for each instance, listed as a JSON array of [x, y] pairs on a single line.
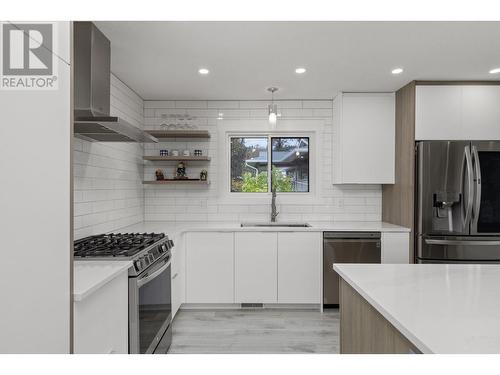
[[439, 308], [175, 228], [89, 276]]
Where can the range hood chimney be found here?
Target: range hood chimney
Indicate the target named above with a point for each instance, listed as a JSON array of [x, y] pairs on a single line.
[[92, 120]]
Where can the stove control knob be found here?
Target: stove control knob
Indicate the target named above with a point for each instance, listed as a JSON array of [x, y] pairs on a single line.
[[137, 264]]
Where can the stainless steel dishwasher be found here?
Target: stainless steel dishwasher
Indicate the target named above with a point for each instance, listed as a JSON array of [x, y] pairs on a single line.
[[345, 247]]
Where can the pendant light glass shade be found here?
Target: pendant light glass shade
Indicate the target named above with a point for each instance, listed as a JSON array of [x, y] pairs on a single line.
[[273, 114], [272, 108]]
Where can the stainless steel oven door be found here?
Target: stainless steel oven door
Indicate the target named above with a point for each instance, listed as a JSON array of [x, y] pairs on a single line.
[[150, 307], [461, 249], [486, 207]]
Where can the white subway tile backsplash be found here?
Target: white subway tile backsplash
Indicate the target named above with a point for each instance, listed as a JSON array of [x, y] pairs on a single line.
[[224, 104], [159, 104], [316, 104], [108, 176], [353, 202], [184, 104]]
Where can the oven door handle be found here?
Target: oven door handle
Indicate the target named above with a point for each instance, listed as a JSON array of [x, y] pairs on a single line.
[[462, 242], [147, 279]]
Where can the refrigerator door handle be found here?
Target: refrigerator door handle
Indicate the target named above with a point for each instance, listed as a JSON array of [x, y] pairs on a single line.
[[470, 181], [477, 179]]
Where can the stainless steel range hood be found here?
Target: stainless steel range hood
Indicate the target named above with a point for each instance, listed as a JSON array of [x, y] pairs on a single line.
[[92, 120]]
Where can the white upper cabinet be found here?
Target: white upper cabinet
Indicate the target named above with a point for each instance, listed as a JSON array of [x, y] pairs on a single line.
[[437, 112], [481, 112], [364, 138], [457, 112]]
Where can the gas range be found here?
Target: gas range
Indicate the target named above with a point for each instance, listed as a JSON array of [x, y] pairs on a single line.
[[143, 249]]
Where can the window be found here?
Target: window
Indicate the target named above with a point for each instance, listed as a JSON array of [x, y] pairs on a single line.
[[253, 172]]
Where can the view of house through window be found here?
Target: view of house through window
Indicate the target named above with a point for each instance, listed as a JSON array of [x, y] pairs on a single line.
[[253, 172]]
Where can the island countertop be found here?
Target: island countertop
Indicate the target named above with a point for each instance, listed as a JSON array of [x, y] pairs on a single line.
[[439, 308]]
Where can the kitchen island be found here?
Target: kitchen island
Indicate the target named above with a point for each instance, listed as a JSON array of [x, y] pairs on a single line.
[[425, 308]]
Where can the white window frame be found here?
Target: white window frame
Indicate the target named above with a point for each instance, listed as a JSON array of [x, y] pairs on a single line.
[[228, 129], [269, 137]]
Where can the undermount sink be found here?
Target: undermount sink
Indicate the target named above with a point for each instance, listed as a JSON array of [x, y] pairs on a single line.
[[284, 224]]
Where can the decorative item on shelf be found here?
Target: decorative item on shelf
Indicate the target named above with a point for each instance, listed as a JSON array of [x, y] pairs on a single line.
[[185, 153], [163, 124], [163, 152], [198, 153], [159, 175], [203, 175], [175, 152], [180, 173]]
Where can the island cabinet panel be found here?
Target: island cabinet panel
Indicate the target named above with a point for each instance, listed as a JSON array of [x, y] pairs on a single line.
[[210, 267], [363, 330], [256, 272], [299, 268]]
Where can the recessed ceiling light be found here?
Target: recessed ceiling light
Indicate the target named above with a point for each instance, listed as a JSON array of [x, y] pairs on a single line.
[[203, 71], [495, 71], [397, 71], [300, 70]]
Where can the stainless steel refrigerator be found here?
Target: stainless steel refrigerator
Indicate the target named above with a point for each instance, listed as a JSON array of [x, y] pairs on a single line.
[[458, 202]]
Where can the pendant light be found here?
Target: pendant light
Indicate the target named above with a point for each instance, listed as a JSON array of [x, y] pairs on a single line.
[[272, 108]]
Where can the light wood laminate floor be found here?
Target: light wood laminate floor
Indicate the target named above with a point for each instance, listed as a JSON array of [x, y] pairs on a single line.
[[267, 331]]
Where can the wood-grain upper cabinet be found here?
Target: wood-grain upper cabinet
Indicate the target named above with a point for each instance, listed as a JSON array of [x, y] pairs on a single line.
[[299, 267], [210, 267], [255, 263], [457, 112], [364, 138]]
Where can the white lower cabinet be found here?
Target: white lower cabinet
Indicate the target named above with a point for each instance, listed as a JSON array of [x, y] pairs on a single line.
[[255, 267], [101, 319], [177, 274], [299, 267], [395, 247], [209, 267]]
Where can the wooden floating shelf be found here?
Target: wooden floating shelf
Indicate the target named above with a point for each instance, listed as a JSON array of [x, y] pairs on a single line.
[[178, 133], [177, 158], [166, 182]]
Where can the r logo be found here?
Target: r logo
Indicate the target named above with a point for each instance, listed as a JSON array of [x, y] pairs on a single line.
[[27, 49]]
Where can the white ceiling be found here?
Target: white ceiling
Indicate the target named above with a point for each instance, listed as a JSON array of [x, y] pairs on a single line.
[[160, 60]]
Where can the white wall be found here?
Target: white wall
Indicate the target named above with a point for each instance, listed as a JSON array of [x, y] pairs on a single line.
[[35, 150], [108, 176], [188, 203]]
